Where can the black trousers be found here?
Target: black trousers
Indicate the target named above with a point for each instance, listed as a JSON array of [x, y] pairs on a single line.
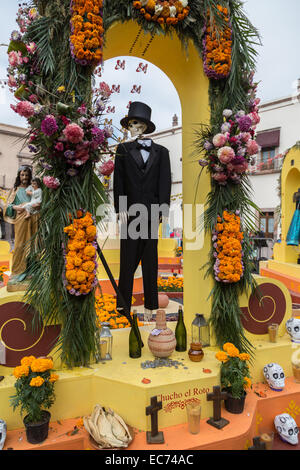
[[132, 252]]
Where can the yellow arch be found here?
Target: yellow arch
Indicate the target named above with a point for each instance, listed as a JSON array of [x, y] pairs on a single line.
[[186, 73]]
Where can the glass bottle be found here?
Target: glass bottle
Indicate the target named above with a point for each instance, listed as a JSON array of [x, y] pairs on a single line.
[[135, 340], [180, 332]]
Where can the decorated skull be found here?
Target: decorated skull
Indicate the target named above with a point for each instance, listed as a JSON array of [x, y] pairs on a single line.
[[136, 127], [287, 428], [293, 329], [274, 375], [2, 433]]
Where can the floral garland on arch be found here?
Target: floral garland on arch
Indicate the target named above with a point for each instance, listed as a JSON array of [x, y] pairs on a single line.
[[217, 47], [81, 254], [68, 139], [229, 152], [227, 242], [227, 149], [163, 12], [86, 40]]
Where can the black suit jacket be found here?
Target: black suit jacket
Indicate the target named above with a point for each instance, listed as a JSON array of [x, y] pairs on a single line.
[[142, 183]]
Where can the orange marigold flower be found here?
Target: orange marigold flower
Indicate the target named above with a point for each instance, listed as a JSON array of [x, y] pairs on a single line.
[[37, 381]]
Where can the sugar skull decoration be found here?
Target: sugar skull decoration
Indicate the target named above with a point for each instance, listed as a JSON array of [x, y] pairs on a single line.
[[287, 428], [293, 329], [2, 433], [274, 375]]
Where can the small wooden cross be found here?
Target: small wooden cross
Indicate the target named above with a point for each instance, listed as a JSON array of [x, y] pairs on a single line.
[[216, 397], [155, 436], [257, 444]]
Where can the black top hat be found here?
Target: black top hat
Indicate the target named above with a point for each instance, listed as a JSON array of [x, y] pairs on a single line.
[[141, 112]]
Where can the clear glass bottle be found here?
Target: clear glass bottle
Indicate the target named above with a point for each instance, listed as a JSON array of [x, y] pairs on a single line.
[[105, 342]]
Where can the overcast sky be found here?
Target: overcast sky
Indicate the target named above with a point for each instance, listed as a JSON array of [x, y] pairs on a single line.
[[278, 65]]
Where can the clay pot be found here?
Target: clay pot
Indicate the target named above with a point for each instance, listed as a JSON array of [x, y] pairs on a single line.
[[161, 341], [196, 352], [163, 300]]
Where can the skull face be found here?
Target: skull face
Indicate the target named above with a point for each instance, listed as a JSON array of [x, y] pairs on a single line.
[[274, 375], [2, 433], [287, 428], [136, 127], [293, 329]]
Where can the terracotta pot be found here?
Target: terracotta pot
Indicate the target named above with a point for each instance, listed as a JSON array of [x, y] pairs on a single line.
[[161, 341], [37, 432], [196, 352], [235, 405], [163, 300]]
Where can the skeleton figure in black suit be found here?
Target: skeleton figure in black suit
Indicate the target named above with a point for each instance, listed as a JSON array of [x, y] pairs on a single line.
[[142, 189]]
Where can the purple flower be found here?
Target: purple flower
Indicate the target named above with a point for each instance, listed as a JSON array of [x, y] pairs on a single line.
[[69, 154], [32, 148], [98, 135], [238, 160], [208, 145], [226, 126], [49, 125], [202, 162], [72, 172], [245, 123]]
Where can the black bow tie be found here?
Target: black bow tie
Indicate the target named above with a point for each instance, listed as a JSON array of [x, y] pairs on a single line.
[[143, 145]]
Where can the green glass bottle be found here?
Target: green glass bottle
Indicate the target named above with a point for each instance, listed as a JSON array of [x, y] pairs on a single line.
[[180, 332], [135, 340]]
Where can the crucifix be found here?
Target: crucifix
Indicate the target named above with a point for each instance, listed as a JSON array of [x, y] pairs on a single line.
[[257, 444], [216, 397], [154, 436]]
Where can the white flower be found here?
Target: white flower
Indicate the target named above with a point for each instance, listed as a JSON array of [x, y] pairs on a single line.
[[158, 9], [144, 2], [184, 3], [173, 12], [227, 113]]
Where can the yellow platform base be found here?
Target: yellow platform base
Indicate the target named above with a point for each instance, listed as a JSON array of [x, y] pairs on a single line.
[[118, 383]]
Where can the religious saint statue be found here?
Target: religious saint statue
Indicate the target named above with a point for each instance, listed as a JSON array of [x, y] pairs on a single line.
[[142, 185], [293, 236], [25, 227]]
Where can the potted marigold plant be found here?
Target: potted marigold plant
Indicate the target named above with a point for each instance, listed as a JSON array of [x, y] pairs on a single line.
[[34, 392], [235, 377]]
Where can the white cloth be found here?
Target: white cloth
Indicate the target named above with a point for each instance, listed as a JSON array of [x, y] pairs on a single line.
[[36, 198], [145, 152]]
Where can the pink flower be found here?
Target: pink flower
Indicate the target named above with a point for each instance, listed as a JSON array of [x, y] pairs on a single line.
[[12, 82], [25, 109], [245, 136], [219, 140], [255, 117], [14, 59], [105, 90], [51, 182], [31, 48], [59, 147], [226, 154], [241, 168], [252, 147], [73, 133], [221, 178], [33, 98], [107, 168]]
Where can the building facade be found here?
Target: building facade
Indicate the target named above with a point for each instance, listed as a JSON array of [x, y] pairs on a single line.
[[12, 153], [278, 130]]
